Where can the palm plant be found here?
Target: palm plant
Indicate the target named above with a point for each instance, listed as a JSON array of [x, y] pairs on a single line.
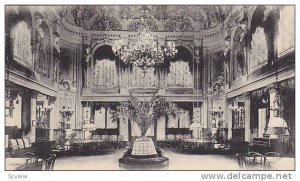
[[144, 113]]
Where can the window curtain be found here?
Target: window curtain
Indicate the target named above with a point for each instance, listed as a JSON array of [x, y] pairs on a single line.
[[180, 75], [105, 74]]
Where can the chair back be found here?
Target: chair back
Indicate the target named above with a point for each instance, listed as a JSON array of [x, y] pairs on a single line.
[[13, 144], [50, 162], [270, 157], [26, 143], [21, 143], [255, 159], [272, 154], [32, 158]]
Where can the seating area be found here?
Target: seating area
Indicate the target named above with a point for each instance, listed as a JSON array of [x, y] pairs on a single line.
[[99, 144], [31, 161], [256, 161], [17, 147]]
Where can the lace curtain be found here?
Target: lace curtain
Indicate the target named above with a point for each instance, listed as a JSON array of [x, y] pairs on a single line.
[[105, 74], [180, 75], [141, 78]]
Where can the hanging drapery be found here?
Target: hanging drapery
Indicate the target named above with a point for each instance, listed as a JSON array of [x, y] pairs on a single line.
[[185, 119], [172, 122], [105, 74], [141, 78], [179, 75]]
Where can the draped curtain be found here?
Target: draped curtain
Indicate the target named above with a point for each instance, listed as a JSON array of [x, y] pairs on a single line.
[[105, 74], [179, 75]]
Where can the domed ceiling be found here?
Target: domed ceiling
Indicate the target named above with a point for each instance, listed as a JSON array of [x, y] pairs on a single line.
[[188, 18]]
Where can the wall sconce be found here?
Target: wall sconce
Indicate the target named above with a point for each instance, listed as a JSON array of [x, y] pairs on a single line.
[[216, 113], [264, 100], [66, 113]]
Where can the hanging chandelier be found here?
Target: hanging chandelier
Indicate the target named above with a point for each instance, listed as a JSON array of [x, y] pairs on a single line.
[[145, 51]]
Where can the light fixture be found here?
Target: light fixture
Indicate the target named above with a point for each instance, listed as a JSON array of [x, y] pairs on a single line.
[[145, 51], [41, 116], [216, 113]]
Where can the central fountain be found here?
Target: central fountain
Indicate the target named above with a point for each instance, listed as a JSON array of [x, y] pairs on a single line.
[[144, 154]]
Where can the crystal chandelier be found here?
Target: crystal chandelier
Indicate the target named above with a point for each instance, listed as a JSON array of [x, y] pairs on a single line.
[[144, 52]]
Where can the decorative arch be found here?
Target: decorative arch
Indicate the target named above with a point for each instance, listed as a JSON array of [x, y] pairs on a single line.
[[185, 45], [100, 43]]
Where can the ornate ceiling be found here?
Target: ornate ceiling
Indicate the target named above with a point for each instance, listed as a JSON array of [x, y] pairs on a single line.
[[187, 18]]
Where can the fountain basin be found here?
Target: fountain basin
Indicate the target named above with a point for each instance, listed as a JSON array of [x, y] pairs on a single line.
[[143, 155]]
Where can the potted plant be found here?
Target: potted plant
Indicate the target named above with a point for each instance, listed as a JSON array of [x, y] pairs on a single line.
[[145, 113]]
